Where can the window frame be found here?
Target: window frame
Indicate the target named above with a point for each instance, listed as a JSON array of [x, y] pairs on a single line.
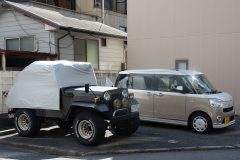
[[179, 61], [102, 42], [19, 43], [124, 28], [96, 69]]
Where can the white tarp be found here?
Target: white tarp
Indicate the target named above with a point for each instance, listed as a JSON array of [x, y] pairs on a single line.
[[38, 85]]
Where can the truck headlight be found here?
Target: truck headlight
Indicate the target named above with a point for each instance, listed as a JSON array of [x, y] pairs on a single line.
[[117, 104], [125, 93], [124, 102], [215, 103], [106, 96]]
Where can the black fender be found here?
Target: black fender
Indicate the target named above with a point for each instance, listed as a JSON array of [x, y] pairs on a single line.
[[132, 101], [98, 107]]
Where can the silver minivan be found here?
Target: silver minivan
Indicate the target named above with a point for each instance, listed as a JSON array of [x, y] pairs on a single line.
[[181, 97]]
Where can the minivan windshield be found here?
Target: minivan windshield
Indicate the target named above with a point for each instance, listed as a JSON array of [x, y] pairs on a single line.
[[201, 84]]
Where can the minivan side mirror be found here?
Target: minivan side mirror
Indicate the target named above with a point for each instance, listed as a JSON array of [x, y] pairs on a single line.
[[86, 87], [179, 88]]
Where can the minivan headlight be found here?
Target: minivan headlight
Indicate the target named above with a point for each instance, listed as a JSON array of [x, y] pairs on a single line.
[[215, 103], [125, 93], [106, 96]]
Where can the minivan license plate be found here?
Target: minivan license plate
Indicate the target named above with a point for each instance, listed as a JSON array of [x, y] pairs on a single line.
[[227, 120], [135, 108]]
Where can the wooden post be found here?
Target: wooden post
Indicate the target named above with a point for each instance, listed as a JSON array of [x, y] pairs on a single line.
[[4, 62]]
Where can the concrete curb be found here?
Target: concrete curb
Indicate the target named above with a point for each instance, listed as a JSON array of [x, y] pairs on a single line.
[[7, 132], [61, 152]]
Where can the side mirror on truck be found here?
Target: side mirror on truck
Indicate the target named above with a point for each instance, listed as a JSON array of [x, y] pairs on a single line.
[[86, 87]]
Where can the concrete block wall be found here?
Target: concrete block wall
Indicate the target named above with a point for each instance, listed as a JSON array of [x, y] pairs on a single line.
[[7, 79]]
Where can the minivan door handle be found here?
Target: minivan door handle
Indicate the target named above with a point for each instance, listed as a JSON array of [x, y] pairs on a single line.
[[149, 94], [159, 95]]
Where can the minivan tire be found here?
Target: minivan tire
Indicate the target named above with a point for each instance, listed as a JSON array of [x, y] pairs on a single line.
[[26, 123], [89, 128], [200, 123], [128, 129]]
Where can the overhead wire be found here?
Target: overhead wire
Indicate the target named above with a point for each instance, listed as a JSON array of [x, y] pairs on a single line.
[[49, 42], [18, 21], [99, 28]]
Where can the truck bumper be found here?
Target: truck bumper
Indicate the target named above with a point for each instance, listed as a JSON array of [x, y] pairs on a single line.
[[124, 117]]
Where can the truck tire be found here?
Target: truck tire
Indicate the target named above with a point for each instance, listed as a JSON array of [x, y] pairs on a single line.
[[89, 128], [26, 123], [200, 123], [127, 129], [64, 125]]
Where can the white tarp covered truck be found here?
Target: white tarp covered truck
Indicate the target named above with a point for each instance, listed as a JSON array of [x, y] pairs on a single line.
[[67, 93]]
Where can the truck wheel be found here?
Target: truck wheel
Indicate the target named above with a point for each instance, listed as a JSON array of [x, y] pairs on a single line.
[[64, 125], [129, 129], [200, 123], [89, 128], [26, 123]]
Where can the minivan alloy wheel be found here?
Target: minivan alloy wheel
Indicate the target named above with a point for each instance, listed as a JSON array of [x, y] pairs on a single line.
[[23, 122], [200, 124]]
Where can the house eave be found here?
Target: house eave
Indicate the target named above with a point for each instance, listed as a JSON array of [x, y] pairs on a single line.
[[57, 26], [30, 54]]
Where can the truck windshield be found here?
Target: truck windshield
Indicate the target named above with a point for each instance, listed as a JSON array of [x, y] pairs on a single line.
[[121, 81], [201, 84]]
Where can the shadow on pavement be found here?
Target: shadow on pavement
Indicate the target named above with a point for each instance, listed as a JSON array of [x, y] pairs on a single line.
[[149, 136]]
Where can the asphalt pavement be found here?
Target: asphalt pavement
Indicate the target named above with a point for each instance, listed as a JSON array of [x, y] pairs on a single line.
[[11, 153], [149, 136]]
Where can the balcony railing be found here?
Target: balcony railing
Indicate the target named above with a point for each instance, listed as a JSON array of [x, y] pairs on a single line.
[[113, 5]]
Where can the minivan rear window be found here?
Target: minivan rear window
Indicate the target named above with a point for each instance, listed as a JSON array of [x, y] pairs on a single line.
[[121, 81], [140, 81]]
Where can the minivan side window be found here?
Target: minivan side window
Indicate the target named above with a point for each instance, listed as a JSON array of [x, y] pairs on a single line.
[[168, 83], [188, 88], [140, 81], [121, 81]]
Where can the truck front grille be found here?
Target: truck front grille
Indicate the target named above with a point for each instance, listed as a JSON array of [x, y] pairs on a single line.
[[113, 97]]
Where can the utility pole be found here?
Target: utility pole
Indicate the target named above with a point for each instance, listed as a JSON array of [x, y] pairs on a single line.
[[103, 11]]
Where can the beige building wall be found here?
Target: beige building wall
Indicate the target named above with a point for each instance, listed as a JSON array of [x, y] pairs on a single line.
[[112, 18], [204, 32]]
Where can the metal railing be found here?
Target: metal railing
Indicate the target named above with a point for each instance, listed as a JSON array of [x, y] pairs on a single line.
[[113, 5]]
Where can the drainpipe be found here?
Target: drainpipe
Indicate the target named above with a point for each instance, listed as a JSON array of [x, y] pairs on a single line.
[[3, 61], [58, 45], [103, 11], [36, 47]]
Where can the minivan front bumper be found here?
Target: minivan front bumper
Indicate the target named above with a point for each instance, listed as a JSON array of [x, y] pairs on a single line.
[[217, 125]]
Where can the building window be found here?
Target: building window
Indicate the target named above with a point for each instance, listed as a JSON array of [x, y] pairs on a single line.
[[181, 64], [104, 42], [20, 44], [124, 29], [108, 4], [86, 51], [113, 5]]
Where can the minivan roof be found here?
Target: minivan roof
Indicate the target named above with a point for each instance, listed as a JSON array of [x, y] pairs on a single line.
[[173, 71]]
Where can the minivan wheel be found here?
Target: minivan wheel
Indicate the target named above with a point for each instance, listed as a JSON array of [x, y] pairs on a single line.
[[26, 123], [201, 123], [127, 129], [89, 128]]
